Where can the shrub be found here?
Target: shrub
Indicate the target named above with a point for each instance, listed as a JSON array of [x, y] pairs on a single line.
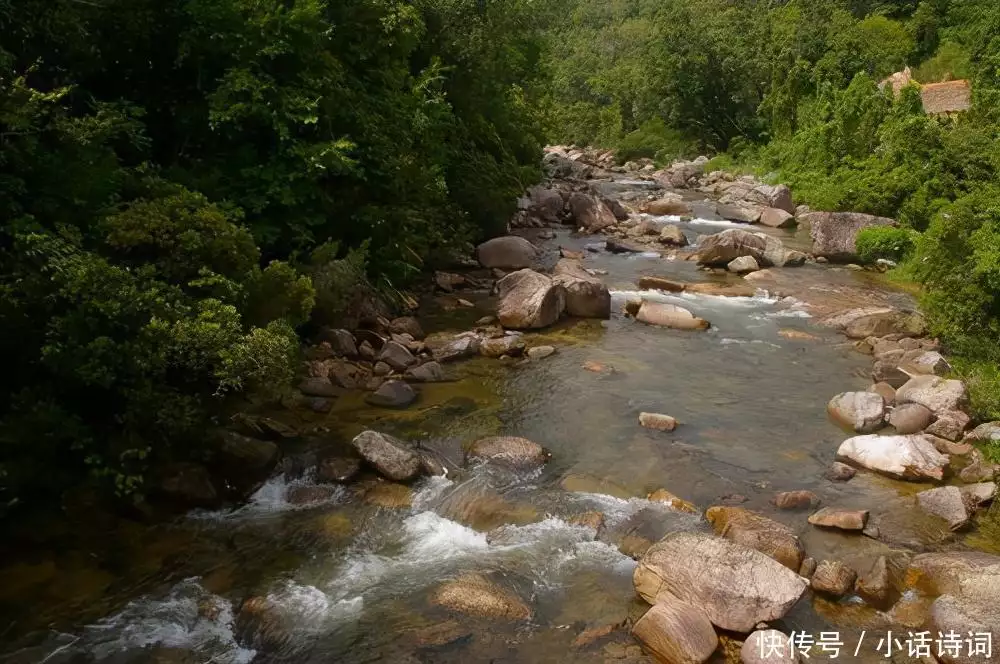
[[893, 244]]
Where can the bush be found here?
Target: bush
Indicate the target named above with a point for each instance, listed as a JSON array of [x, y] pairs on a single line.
[[653, 140], [893, 244]]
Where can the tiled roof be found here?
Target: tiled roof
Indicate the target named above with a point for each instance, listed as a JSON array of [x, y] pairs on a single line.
[[947, 97]]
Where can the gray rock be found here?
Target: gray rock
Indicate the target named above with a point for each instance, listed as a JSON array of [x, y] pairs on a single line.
[[834, 233], [508, 252], [512, 345], [910, 418], [741, 213], [337, 469], [673, 236], [949, 425], [392, 394], [317, 386], [937, 394], [590, 213], [863, 412], [903, 457], [586, 296], [984, 433], [676, 631], [777, 218], [341, 341], [722, 248], [397, 356], [407, 325], [540, 352], [528, 300], [428, 372], [839, 472], [948, 503], [510, 451], [736, 586], [391, 457], [382, 369], [452, 348], [743, 265]]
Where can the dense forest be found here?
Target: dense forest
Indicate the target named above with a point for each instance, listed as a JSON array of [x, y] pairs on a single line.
[[185, 183], [188, 186], [789, 91]]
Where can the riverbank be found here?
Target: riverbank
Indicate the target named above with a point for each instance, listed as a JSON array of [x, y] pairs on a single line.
[[434, 545]]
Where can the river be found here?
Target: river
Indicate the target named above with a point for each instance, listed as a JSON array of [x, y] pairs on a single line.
[[346, 578]]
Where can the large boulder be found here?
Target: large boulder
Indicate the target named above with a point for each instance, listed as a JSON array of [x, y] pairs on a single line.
[[777, 218], [880, 324], [936, 394], [942, 572], [667, 206], [949, 503], [903, 457], [910, 418], [546, 204], [508, 252], [590, 213], [773, 196], [529, 300], [676, 632], [586, 296], [510, 451], [737, 587], [242, 457], [187, 485], [476, 595], [669, 315], [740, 213], [722, 248], [397, 356], [771, 538], [834, 233], [391, 457], [447, 348], [863, 412]]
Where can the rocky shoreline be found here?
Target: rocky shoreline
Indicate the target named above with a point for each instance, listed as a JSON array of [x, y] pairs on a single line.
[[728, 587]]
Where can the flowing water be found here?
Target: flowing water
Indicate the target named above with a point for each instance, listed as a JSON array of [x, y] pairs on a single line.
[[346, 578]]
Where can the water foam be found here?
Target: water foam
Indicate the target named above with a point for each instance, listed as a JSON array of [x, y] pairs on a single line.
[[272, 498], [189, 617]]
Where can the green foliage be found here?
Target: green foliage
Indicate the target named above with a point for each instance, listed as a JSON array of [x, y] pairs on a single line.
[[950, 62], [166, 164], [654, 140], [877, 242]]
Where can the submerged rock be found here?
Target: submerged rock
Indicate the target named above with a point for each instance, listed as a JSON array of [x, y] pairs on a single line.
[[391, 457], [657, 421], [839, 472], [794, 500], [392, 394], [529, 300], [669, 315], [903, 457], [863, 412], [771, 538], [676, 632], [679, 504], [736, 586], [475, 595], [875, 586], [948, 503], [832, 517], [511, 451], [833, 578]]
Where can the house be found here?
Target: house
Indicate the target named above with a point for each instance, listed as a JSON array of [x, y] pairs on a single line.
[[945, 98]]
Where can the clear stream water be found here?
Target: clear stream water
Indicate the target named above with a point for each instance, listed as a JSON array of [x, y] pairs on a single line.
[[348, 578]]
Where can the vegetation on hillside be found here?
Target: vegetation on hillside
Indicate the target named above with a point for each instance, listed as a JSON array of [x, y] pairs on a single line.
[[789, 90], [184, 183]]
